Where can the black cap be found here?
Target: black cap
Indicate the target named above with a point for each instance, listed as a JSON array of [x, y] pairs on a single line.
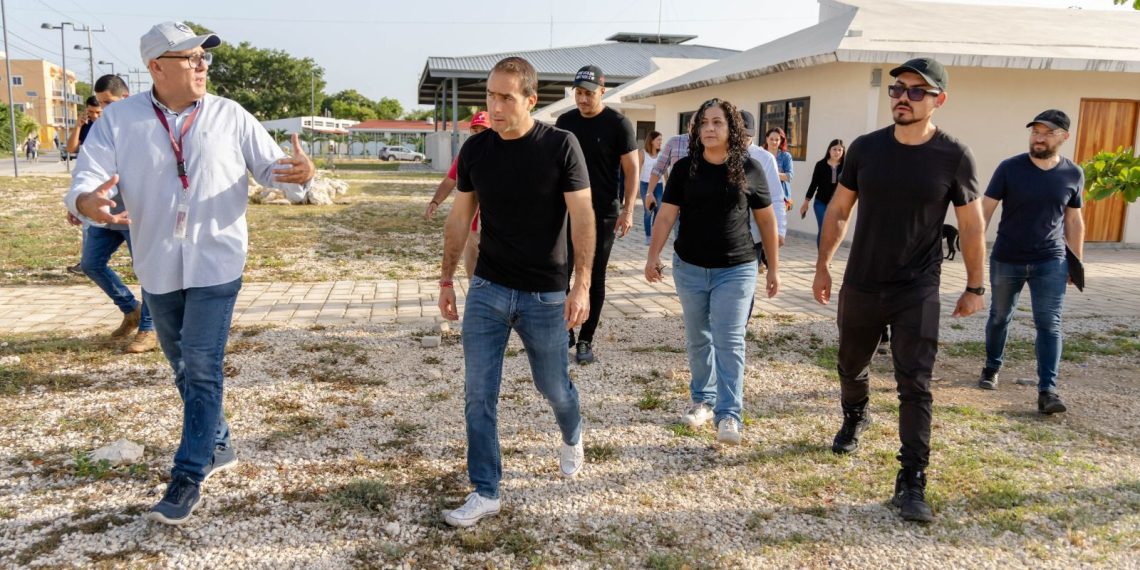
[[929, 68], [1052, 118], [590, 77], [749, 121]]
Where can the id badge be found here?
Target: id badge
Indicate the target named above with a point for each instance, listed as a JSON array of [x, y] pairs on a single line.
[[180, 221]]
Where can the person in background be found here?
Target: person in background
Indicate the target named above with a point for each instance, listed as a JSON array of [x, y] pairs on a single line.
[[776, 142], [714, 190], [1040, 194], [647, 159], [480, 122], [823, 181]]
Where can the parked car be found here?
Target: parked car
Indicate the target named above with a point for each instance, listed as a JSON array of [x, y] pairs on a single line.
[[391, 153]]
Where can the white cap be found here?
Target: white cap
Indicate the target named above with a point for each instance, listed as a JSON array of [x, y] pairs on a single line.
[[173, 36]]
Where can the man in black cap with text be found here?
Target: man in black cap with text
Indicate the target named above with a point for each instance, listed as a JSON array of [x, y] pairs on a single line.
[[608, 142], [1040, 193], [904, 177]]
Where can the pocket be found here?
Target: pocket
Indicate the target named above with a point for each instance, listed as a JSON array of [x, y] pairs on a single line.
[[550, 298], [477, 282]]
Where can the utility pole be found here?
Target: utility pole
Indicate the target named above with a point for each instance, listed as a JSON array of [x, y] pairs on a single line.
[[138, 82], [11, 102]]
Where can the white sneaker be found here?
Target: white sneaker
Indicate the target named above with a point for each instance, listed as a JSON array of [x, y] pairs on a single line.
[[571, 459], [728, 431], [698, 415], [476, 507]]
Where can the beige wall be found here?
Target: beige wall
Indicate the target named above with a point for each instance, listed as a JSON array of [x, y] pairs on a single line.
[[987, 109]]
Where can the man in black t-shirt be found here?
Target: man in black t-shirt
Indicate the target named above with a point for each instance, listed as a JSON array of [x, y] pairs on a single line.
[[525, 177], [608, 142], [1040, 194], [904, 177]]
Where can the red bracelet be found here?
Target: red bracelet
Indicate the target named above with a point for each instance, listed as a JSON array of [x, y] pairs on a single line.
[[446, 284]]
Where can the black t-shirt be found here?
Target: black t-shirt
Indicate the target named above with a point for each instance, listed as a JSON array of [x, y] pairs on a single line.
[[604, 138], [714, 216], [83, 131], [1033, 203], [904, 192], [522, 212]]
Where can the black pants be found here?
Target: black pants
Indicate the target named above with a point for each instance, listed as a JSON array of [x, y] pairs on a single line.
[[604, 226], [913, 317]]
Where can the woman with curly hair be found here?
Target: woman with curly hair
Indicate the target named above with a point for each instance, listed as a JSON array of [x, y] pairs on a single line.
[[713, 191]]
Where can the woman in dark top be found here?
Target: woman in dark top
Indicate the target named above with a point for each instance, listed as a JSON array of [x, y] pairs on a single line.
[[823, 181], [713, 191]]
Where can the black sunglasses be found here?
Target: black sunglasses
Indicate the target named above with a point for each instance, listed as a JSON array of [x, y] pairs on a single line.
[[913, 93]]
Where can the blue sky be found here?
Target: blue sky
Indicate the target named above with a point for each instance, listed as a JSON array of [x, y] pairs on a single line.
[[379, 47]]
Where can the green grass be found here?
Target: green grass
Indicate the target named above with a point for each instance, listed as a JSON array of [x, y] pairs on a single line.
[[650, 401], [658, 348], [362, 495]]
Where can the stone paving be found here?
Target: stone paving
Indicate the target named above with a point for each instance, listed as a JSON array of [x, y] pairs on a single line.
[[1113, 276]]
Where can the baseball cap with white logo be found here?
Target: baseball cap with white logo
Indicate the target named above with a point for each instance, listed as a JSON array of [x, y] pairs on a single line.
[[173, 36]]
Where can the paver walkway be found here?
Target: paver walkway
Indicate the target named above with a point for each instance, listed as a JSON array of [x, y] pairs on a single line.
[[1113, 275]]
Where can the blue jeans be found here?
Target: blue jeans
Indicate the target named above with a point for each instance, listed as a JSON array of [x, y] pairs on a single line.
[[100, 245], [1047, 281], [492, 311], [715, 306], [193, 326], [819, 208], [650, 216]]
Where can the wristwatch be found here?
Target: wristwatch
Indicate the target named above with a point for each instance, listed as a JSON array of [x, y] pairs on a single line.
[[979, 291]]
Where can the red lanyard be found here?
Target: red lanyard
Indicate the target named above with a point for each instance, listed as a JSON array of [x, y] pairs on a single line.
[[177, 144]]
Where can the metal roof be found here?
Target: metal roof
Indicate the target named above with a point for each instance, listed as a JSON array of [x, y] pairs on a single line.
[[620, 62], [892, 31]]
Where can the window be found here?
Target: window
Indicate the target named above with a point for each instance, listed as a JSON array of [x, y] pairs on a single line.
[[17, 80], [792, 116], [683, 122], [643, 130], [32, 94], [20, 107]]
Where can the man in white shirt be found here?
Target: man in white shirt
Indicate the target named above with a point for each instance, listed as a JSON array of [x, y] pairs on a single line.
[[180, 159]]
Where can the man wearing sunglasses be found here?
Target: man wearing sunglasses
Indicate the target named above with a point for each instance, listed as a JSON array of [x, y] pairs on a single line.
[[1040, 195], [904, 176], [180, 158]]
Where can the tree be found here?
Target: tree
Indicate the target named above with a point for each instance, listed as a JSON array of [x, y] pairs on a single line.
[[1135, 3], [389, 108], [83, 90], [270, 84], [25, 126], [349, 104], [419, 114]]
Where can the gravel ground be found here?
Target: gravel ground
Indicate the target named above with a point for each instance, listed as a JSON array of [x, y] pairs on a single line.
[[351, 440]]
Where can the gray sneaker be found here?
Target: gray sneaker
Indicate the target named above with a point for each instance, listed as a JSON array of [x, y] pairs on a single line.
[[698, 415], [181, 499], [224, 458], [728, 431]]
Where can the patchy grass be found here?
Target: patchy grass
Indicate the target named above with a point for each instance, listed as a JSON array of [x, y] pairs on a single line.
[[377, 229]]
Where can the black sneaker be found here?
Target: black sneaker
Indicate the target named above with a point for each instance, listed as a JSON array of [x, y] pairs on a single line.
[[988, 379], [1050, 403], [181, 499], [855, 422], [585, 352], [572, 341], [910, 496], [76, 269], [224, 458]]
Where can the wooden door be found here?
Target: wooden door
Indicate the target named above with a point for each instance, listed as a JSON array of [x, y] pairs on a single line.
[[1104, 125]]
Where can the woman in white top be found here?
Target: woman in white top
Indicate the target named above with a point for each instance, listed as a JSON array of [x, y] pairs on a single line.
[[647, 156]]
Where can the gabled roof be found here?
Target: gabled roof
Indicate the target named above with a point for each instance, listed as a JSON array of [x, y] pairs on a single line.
[[892, 31], [620, 61]]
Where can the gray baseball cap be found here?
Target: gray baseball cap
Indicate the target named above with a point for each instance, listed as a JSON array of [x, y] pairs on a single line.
[[173, 36]]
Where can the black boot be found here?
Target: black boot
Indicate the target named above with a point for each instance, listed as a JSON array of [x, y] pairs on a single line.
[[910, 496], [856, 420], [1050, 403], [988, 379]]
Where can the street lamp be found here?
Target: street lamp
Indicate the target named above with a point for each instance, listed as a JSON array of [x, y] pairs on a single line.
[[90, 61], [110, 63], [63, 64]]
